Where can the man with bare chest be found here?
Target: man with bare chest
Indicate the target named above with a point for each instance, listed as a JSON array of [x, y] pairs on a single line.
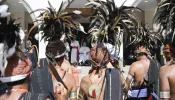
[[99, 84], [167, 80], [60, 90]]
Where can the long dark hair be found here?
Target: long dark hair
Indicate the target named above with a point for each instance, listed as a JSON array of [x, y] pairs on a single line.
[[107, 58]]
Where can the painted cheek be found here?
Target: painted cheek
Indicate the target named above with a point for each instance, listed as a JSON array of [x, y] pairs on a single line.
[[16, 71]]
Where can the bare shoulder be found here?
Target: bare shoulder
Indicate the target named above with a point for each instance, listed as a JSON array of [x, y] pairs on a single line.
[[167, 70], [69, 76], [84, 79], [84, 82], [135, 65], [164, 70]]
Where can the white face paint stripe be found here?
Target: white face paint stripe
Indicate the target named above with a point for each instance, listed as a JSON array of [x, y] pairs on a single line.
[[164, 94]]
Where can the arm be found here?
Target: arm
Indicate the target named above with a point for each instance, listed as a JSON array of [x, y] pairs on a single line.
[[130, 77], [73, 94], [164, 84], [125, 87], [82, 95]]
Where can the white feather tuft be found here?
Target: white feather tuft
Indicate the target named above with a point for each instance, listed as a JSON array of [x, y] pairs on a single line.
[[82, 28], [3, 11], [11, 51], [62, 37], [37, 36], [21, 34], [3, 61]]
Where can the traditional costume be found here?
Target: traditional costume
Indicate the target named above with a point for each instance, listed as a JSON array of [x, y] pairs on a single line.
[[108, 26], [56, 28], [150, 40], [11, 38], [163, 23]]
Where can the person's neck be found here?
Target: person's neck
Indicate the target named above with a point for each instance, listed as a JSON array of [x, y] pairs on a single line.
[[21, 86], [109, 65], [169, 59], [98, 71], [143, 58]]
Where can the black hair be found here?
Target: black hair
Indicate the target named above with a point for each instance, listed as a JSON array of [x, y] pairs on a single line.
[[107, 57], [55, 48]]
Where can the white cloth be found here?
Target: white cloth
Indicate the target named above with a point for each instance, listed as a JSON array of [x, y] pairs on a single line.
[[12, 78], [42, 46], [112, 50], [74, 51], [134, 93], [84, 54], [67, 49]]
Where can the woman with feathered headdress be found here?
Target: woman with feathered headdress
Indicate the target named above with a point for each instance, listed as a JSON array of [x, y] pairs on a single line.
[[108, 25], [164, 23]]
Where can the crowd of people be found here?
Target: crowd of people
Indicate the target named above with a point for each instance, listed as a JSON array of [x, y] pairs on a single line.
[[23, 76]]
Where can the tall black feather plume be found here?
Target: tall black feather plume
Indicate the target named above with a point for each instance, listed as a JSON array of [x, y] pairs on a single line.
[[111, 22], [56, 24], [164, 19]]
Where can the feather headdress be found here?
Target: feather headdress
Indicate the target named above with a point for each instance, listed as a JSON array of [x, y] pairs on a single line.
[[164, 19], [148, 38], [110, 22], [10, 41], [57, 25]]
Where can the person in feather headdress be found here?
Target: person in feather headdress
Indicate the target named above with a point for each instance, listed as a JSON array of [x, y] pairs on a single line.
[[15, 66], [109, 23], [166, 25], [167, 56], [144, 73], [58, 26], [167, 79]]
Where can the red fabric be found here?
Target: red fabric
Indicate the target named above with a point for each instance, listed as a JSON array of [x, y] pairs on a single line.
[[75, 47], [150, 97], [94, 93]]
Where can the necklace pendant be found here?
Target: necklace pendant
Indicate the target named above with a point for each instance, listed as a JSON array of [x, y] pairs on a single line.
[[94, 91]]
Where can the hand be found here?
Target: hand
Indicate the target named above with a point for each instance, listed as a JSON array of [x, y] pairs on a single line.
[[60, 92]]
